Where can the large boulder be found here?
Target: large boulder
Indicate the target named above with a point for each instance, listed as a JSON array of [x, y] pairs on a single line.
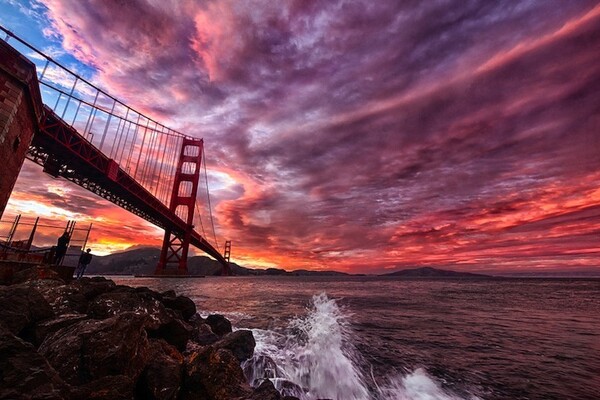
[[92, 349], [180, 303], [214, 374], [24, 374], [219, 324], [162, 378], [47, 327], [92, 287], [162, 322], [37, 272], [241, 344], [74, 297], [175, 332], [119, 301], [113, 387], [145, 291], [21, 307], [202, 334], [64, 299]]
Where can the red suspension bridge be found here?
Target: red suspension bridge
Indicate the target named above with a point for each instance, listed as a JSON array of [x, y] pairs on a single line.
[[83, 134]]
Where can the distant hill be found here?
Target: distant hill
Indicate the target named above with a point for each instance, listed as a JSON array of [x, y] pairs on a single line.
[[143, 260], [585, 274], [429, 272]]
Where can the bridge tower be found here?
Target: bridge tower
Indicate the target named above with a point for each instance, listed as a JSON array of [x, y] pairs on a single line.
[[227, 255], [173, 256]]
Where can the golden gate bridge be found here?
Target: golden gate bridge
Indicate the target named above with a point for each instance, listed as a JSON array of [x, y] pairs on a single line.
[[81, 133]]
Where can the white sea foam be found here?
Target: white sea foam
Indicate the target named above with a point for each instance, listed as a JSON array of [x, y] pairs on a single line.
[[315, 358], [417, 385]]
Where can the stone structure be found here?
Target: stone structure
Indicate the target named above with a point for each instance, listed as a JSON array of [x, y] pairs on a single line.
[[20, 113]]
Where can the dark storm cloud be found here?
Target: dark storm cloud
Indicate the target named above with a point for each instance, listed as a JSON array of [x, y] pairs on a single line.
[[364, 129]]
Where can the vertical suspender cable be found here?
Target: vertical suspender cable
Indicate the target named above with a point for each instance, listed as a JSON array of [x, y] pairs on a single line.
[[208, 197]]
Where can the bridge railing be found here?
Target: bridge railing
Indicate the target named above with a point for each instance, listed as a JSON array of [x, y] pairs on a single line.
[[142, 146]]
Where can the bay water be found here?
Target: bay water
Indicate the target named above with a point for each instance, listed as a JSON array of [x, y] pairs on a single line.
[[351, 338]]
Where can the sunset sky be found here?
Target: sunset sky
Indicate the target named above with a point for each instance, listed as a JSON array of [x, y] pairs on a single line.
[[362, 136]]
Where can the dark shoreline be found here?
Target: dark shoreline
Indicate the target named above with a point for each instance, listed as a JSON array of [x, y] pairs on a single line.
[[94, 339]]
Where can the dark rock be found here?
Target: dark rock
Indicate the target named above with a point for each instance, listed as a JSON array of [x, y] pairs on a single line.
[[169, 293], [92, 287], [266, 391], [24, 374], [175, 332], [241, 343], [181, 303], [214, 374], [162, 322], [203, 334], [120, 301], [92, 349], [36, 273], [45, 328], [64, 299], [219, 324], [123, 288], [162, 378], [21, 307], [116, 387], [149, 292], [259, 368]]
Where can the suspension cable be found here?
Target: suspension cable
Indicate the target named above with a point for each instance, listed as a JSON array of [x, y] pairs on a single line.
[[208, 197], [200, 218]]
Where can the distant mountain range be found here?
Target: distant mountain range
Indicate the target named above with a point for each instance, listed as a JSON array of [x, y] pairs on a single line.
[[143, 260], [429, 272]]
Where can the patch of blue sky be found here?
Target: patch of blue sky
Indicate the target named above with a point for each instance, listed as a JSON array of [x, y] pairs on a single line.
[[27, 19]]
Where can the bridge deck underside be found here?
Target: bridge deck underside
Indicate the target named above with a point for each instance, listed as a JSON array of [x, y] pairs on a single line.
[[62, 151]]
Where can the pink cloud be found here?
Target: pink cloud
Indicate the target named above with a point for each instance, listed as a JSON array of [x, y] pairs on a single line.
[[369, 135]]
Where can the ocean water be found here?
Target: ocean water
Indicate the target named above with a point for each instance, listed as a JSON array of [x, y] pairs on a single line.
[[385, 338]]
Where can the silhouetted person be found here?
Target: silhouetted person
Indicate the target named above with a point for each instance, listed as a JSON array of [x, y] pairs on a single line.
[[61, 248], [84, 261]]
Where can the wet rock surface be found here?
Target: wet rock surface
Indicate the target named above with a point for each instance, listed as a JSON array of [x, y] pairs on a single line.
[[50, 326], [180, 303], [91, 349], [93, 339], [36, 273], [162, 377], [219, 324], [112, 387], [21, 307], [24, 373], [214, 373], [202, 334], [241, 344]]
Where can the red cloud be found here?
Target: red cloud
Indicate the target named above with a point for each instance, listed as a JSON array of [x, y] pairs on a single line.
[[364, 136]]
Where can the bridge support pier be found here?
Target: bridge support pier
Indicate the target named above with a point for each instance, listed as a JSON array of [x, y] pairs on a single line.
[[173, 256], [19, 115]]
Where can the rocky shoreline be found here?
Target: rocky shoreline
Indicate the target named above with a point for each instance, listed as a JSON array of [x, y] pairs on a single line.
[[94, 339]]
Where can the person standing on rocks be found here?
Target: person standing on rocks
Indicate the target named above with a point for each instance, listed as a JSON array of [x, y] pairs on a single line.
[[61, 248], [84, 261]]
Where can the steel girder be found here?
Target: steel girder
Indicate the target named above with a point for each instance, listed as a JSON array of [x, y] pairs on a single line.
[[80, 162]]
